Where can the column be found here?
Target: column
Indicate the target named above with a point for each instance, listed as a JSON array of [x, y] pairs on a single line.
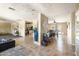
[[42, 27], [73, 28]]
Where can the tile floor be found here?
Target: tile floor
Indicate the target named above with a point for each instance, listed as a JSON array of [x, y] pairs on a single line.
[[57, 47]]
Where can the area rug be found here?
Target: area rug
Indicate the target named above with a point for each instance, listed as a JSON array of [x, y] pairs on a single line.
[[17, 51]]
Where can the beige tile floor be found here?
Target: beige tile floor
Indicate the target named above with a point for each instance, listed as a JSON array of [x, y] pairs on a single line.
[[57, 47]]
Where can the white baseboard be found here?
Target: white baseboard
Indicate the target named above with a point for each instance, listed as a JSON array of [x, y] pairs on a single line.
[[36, 43]]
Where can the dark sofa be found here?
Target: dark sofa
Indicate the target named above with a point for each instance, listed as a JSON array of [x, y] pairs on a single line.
[[6, 44]]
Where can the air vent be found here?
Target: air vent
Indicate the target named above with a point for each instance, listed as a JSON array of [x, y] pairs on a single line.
[[33, 10], [11, 8]]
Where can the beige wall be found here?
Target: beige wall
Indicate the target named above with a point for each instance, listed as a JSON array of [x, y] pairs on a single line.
[[42, 26], [5, 27], [60, 26], [77, 26], [51, 26], [44, 23], [13, 26], [35, 23], [21, 28]]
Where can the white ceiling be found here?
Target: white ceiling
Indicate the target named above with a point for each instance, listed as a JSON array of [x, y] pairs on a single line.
[[58, 11], [21, 12]]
